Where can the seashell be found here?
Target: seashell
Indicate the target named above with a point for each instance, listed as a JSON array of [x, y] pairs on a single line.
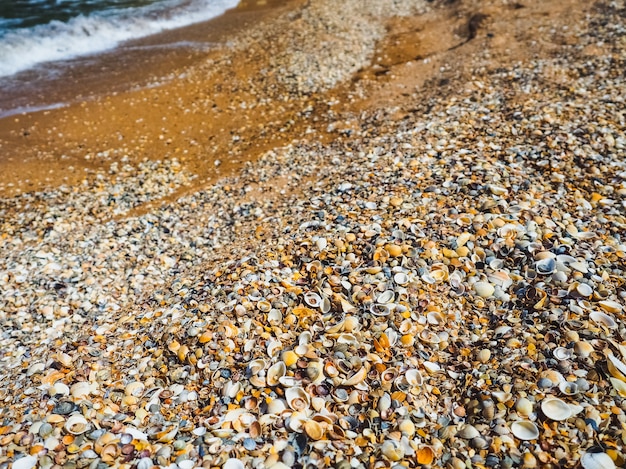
[[256, 366], [61, 389], [432, 367], [425, 456], [233, 463], [602, 319], [435, 318], [386, 297], [381, 309], [135, 389], [525, 430], [312, 299], [79, 390], [616, 367], [264, 306], [439, 273], [231, 389], [524, 407], [610, 306], [274, 347], [289, 357], [401, 278], [389, 375], [562, 353], [619, 386], [275, 372], [76, 425], [274, 317], [407, 427], [546, 266], [314, 430], [555, 409], [595, 461], [468, 432], [579, 266], [429, 337], [392, 450], [27, 462], [583, 349], [502, 396], [297, 398], [315, 371], [568, 388], [414, 377], [357, 378], [584, 289], [484, 289]]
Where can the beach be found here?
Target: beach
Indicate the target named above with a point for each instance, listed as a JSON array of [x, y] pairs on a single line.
[[345, 234]]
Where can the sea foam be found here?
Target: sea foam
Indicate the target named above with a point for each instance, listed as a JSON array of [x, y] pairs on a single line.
[[25, 48]]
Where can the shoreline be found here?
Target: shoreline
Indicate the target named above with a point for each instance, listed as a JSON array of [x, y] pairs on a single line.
[[411, 252]]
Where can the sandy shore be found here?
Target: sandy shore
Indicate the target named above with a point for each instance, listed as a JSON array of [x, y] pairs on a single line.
[[367, 235]]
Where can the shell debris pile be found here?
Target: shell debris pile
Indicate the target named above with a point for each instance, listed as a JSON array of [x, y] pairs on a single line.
[[444, 291]]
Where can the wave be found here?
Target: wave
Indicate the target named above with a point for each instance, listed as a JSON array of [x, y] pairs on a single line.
[[25, 48]]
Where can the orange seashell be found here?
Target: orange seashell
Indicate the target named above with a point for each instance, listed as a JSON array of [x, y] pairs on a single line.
[[425, 456]]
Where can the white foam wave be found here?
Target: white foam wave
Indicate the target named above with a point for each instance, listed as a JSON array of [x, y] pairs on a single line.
[[22, 49]]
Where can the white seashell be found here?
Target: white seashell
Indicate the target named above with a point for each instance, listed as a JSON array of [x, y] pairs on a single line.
[[386, 297], [414, 377], [401, 278], [381, 309], [274, 347], [79, 390], [432, 367], [59, 388], [611, 306], [76, 425], [546, 266], [562, 353], [231, 389], [584, 289], [616, 367], [35, 368], [568, 388], [524, 406], [597, 461], [435, 318], [233, 463], [256, 366], [484, 289], [135, 389], [619, 386], [312, 299], [468, 432], [275, 372], [525, 430], [556, 409], [274, 317], [297, 399], [579, 266], [602, 319], [186, 464], [356, 378], [27, 462]]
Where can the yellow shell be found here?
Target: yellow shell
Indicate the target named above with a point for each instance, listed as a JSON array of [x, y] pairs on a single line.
[[425, 455]]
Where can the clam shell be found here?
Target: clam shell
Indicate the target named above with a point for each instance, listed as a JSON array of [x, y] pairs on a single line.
[[616, 367], [233, 463], [425, 456], [314, 430], [484, 289], [312, 299], [525, 430], [414, 377], [568, 388], [27, 462], [297, 398], [468, 432], [275, 372], [386, 297], [356, 378], [611, 306], [597, 461], [546, 266], [602, 319], [78, 390], [556, 409], [76, 425], [584, 289], [401, 278], [135, 389], [562, 353]]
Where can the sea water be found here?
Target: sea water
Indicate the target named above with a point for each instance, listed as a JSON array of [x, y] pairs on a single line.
[[36, 32]]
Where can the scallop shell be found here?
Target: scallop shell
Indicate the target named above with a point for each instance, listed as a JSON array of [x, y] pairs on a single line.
[[525, 430], [602, 319], [76, 425], [597, 461], [275, 372], [556, 409]]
